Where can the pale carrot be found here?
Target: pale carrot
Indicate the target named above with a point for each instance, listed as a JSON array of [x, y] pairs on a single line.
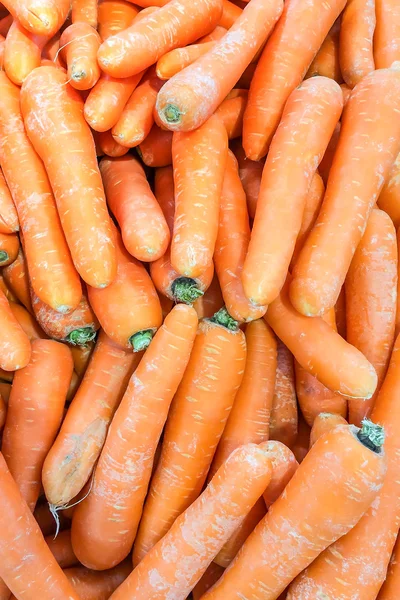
[[22, 52], [326, 61], [115, 16], [79, 44], [323, 423], [387, 33], [84, 11], [356, 40], [283, 422], [8, 214], [156, 149]]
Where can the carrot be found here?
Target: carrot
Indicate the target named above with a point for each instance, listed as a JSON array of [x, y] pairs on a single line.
[[8, 214], [211, 576], [5, 24], [296, 150], [22, 52], [283, 419], [7, 292], [327, 160], [387, 32], [41, 18], [109, 146], [292, 535], [358, 171], [326, 61], [27, 322], [85, 11], [51, 50], [93, 585], [198, 534], [371, 286], [320, 350], [210, 302], [51, 270], [16, 278], [354, 558], [323, 423], [61, 549], [9, 246], [215, 35], [156, 149], [356, 40], [115, 16], [389, 198], [15, 348], [390, 588], [174, 61], [230, 14], [250, 175], [77, 447], [199, 412], [180, 103], [142, 44], [231, 112], [128, 310], [79, 44], [22, 540], [144, 231], [3, 415], [199, 159], [81, 356]]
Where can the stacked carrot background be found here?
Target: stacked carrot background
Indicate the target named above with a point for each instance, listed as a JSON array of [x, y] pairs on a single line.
[[199, 371]]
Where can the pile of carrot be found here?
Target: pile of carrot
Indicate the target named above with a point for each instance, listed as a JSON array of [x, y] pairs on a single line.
[[199, 299]]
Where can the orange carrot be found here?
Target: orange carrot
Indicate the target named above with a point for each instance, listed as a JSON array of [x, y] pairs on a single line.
[[211, 576], [231, 112], [128, 310], [61, 549], [358, 171], [176, 24], [387, 33], [130, 447], [95, 585], [16, 278], [8, 214], [27, 322], [210, 302], [283, 424], [79, 44], [390, 588], [199, 412], [181, 103], [356, 40], [346, 92], [44, 18], [323, 423], [51, 50], [174, 61], [389, 198], [327, 160], [297, 148], [6, 290], [85, 11], [115, 16], [292, 535], [5, 24], [250, 175], [320, 350], [81, 356], [326, 61], [230, 14], [15, 348], [215, 35], [199, 159], [156, 149], [53, 117], [144, 231], [9, 246], [77, 447], [22, 52], [371, 286], [109, 146]]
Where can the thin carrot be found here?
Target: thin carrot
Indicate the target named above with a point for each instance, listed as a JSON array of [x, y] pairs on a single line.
[[9, 247], [8, 214], [144, 230], [27, 322], [115, 16], [326, 61], [44, 18], [211, 576], [22, 52], [95, 585], [389, 198], [250, 172], [307, 124], [231, 112], [16, 278], [283, 421], [390, 588], [180, 103], [79, 44], [128, 310], [109, 146], [230, 14], [320, 350], [358, 172], [81, 356], [61, 549], [15, 348], [210, 302], [356, 40], [85, 11], [199, 159], [175, 60], [323, 423], [387, 33], [53, 118], [144, 42], [156, 149], [22, 539], [292, 535], [199, 412]]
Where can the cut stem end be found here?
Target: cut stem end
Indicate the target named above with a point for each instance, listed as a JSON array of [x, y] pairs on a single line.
[[3, 256], [186, 290], [141, 340], [371, 435], [172, 113], [80, 337], [222, 317]]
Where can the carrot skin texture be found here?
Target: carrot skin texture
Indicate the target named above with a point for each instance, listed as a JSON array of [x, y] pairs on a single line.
[[61, 549], [8, 213], [262, 569], [16, 278], [387, 33], [180, 103], [323, 423], [108, 146], [97, 585], [43, 19], [22, 52], [358, 172], [198, 534], [250, 173], [283, 423], [297, 148], [15, 348], [174, 61], [356, 40], [27, 322], [390, 588], [79, 44], [130, 446]]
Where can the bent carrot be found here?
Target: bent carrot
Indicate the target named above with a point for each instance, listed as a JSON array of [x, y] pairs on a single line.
[[371, 286], [250, 172], [211, 576], [84, 11], [70, 461], [79, 44], [387, 33], [53, 118], [9, 246], [15, 348], [27, 322], [199, 412], [44, 18], [130, 446], [326, 61], [175, 60], [356, 40], [320, 350], [16, 278], [389, 198], [114, 16], [22, 52], [180, 103], [296, 150], [283, 422], [323, 423], [156, 149], [95, 585], [290, 537], [144, 42], [143, 228], [61, 549], [390, 588], [109, 146], [8, 214], [358, 171]]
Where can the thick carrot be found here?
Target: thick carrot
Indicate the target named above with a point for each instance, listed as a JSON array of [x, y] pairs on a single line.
[[231, 112], [199, 160], [389, 198], [78, 445], [250, 172], [307, 124], [41, 18], [115, 16], [93, 585], [8, 214], [27, 322], [144, 231], [181, 103], [174, 61], [358, 172], [84, 11], [15, 348], [16, 278], [53, 118], [320, 350], [354, 558], [387, 33], [199, 412], [22, 52], [109, 146], [198, 534], [323, 423], [371, 286], [176, 24], [21, 539], [391, 586], [9, 246], [130, 447], [79, 44], [129, 310], [61, 549], [356, 40], [326, 61], [211, 576], [283, 421], [293, 534], [156, 149], [210, 302]]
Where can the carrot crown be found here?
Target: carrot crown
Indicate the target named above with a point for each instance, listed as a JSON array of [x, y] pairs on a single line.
[[80, 337], [186, 290], [371, 435], [141, 340], [222, 317]]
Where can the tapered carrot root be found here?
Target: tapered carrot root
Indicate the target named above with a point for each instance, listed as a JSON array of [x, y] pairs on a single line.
[[389, 198], [283, 425], [22, 52], [9, 246], [44, 18], [327, 160], [326, 61], [323, 423], [115, 16], [15, 348], [8, 214], [84, 11], [79, 44], [156, 149], [387, 33], [356, 40], [230, 14]]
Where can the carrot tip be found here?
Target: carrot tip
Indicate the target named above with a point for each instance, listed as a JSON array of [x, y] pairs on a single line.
[[141, 340], [371, 435], [77, 74], [80, 337], [223, 318], [185, 289], [172, 113], [3, 256]]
